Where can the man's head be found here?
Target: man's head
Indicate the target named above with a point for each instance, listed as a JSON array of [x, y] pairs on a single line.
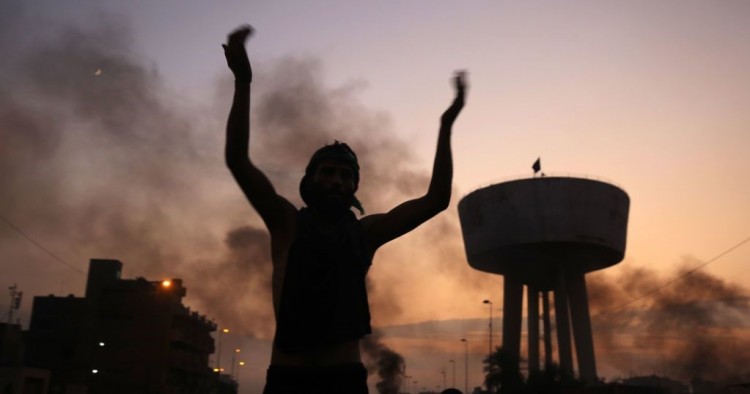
[[331, 179]]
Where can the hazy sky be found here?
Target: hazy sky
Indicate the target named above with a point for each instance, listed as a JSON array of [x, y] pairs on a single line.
[[650, 95]]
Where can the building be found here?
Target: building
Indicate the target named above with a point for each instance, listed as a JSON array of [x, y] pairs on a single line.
[[15, 378], [123, 336]]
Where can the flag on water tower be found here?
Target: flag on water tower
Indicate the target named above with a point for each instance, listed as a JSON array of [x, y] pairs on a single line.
[[537, 165]]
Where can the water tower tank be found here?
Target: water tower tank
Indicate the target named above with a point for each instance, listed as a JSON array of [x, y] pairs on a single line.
[[529, 228]]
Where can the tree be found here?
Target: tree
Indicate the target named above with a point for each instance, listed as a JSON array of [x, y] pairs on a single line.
[[504, 376], [502, 373]]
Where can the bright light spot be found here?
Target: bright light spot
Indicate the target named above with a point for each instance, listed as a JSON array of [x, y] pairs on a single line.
[[94, 371], [216, 369], [101, 344], [225, 330], [242, 363], [98, 72], [166, 283], [236, 350]]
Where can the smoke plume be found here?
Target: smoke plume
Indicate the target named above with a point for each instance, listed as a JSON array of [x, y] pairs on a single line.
[[690, 328], [388, 364], [101, 160]]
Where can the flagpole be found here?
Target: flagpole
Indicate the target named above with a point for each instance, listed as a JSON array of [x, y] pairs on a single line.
[[537, 166]]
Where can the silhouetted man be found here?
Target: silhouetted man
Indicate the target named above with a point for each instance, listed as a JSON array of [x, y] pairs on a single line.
[[321, 253]]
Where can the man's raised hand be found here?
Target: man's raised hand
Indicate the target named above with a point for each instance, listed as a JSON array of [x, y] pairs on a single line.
[[234, 51], [459, 83]]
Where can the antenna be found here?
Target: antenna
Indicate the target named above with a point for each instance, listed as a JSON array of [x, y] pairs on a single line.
[[15, 301]]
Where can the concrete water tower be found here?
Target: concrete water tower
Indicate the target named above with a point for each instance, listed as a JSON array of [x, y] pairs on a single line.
[[546, 233]]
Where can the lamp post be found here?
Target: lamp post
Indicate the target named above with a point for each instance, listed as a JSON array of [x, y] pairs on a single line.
[[488, 302], [240, 364], [454, 372], [466, 364], [218, 351], [234, 361]]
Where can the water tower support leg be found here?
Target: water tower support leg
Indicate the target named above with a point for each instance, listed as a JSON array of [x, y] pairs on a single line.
[[547, 330], [563, 326], [579, 313], [512, 305], [532, 298]]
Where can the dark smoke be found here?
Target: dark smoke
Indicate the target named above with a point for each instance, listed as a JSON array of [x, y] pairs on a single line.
[[239, 291], [98, 156], [692, 328], [388, 364], [100, 159], [295, 114], [95, 157]]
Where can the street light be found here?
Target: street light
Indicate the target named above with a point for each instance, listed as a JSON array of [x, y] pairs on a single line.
[[454, 372], [218, 352], [488, 302], [466, 364], [241, 364], [234, 362]]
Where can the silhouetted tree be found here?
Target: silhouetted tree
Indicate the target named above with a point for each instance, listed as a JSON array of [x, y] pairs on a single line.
[[552, 380], [504, 376], [502, 373]]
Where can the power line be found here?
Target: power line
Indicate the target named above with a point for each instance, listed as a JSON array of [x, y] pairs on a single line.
[[40, 246], [677, 279]]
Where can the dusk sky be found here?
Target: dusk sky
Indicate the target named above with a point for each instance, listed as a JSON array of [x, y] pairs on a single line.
[[112, 124]]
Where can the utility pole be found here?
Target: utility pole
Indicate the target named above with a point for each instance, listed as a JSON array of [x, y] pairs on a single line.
[[488, 302], [466, 364]]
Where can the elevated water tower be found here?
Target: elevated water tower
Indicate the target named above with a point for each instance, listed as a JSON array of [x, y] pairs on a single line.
[[546, 233]]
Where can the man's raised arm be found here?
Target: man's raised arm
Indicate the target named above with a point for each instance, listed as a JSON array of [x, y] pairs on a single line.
[[273, 209], [410, 214]]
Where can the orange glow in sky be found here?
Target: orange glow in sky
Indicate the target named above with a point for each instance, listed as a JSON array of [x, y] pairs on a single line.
[[652, 96]]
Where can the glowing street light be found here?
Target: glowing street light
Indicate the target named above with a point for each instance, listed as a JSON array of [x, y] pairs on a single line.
[[241, 364], [234, 357], [218, 351], [166, 283]]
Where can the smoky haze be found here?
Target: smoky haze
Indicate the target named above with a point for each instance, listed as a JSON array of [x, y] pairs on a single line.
[[692, 328], [101, 159]]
